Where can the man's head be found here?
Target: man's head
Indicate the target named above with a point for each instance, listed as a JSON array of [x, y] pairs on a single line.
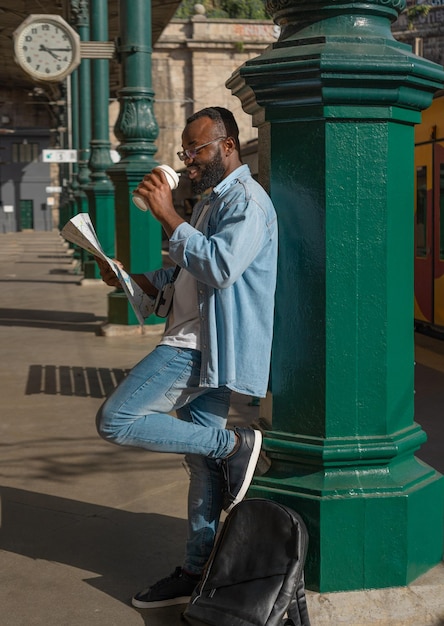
[[211, 147]]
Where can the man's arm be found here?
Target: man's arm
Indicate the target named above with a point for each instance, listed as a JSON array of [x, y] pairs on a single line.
[[220, 259], [109, 277], [145, 284]]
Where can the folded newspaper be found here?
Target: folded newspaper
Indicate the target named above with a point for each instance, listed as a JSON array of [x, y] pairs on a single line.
[[80, 230]]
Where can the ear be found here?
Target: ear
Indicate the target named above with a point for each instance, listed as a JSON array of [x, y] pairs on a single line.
[[230, 146]]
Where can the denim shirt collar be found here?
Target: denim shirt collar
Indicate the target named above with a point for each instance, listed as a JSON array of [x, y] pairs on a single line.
[[225, 183]]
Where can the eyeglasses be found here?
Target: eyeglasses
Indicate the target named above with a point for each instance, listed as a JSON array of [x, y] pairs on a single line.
[[190, 154]]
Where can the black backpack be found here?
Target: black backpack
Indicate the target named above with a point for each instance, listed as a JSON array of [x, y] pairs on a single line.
[[254, 575]]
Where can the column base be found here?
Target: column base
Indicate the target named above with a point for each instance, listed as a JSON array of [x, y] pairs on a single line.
[[121, 312], [369, 527], [91, 270]]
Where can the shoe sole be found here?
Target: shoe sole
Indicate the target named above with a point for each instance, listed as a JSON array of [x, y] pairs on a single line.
[[250, 470], [140, 604]]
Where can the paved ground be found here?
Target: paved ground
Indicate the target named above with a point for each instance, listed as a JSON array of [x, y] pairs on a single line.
[[84, 524]]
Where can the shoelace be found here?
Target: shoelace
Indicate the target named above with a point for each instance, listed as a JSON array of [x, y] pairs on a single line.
[[226, 476], [176, 574]]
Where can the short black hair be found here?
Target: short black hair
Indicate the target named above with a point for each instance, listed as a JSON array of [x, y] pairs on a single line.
[[224, 118]]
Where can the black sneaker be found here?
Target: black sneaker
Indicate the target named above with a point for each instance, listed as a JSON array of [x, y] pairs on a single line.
[[174, 589], [238, 468]]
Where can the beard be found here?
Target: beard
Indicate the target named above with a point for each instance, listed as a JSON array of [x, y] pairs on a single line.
[[212, 174]]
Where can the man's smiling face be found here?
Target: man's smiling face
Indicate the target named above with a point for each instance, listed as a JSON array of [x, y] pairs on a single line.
[[207, 168]]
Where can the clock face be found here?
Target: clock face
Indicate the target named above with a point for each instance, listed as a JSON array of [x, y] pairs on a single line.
[[46, 48]]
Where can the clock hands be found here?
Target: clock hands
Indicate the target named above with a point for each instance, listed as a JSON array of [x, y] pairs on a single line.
[[45, 49], [51, 51]]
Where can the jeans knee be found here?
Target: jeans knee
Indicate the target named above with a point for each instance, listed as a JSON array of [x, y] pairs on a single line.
[[104, 425]]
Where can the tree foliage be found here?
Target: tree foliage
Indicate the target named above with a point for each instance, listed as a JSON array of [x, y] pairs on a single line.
[[417, 10], [232, 9]]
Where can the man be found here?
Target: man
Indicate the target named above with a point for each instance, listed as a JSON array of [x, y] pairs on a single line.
[[217, 338]]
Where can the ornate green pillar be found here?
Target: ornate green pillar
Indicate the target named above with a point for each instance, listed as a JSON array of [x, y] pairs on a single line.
[[73, 190], [80, 12], [100, 191], [73, 104], [138, 234], [335, 100]]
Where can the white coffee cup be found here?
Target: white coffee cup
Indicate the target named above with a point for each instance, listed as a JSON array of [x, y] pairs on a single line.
[[172, 178]]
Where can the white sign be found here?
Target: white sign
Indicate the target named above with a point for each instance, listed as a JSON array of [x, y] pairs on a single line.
[[8, 208], [53, 190], [59, 156]]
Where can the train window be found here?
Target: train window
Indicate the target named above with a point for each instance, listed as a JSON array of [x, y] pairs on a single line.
[[421, 211], [441, 212]]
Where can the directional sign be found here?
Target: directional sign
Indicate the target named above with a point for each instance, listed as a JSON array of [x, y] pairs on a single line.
[[59, 156]]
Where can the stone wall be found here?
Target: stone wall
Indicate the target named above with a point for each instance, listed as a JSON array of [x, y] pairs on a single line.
[[425, 34]]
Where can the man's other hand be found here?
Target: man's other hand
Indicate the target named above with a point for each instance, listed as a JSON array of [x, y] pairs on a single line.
[[107, 273]]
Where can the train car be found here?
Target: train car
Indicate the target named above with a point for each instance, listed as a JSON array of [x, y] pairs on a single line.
[[429, 217]]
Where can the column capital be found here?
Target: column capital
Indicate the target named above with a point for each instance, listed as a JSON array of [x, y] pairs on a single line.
[[80, 11], [335, 55], [136, 125], [292, 15]]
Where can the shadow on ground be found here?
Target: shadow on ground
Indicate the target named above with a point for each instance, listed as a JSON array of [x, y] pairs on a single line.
[[114, 544], [57, 320], [68, 380]]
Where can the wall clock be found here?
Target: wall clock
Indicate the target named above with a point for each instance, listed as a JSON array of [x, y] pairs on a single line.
[[46, 47]]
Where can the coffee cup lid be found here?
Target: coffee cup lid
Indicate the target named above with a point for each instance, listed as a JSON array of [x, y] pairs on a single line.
[[170, 172]]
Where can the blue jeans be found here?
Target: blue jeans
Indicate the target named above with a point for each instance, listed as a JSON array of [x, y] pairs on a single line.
[[137, 414]]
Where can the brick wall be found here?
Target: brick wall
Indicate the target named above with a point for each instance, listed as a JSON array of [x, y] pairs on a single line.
[[426, 34]]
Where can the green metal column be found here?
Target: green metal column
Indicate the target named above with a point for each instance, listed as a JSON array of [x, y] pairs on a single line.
[[73, 190], [138, 234], [80, 10], [64, 168], [335, 100], [100, 192], [74, 106]]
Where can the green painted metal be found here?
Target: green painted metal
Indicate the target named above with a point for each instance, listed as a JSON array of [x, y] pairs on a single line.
[[100, 191], [80, 12], [138, 235], [369, 528], [74, 103], [73, 190], [335, 100]]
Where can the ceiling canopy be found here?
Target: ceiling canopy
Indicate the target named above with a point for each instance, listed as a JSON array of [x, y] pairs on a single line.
[[14, 12]]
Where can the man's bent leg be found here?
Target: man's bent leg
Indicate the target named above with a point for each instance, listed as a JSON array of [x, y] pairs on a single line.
[[137, 412]]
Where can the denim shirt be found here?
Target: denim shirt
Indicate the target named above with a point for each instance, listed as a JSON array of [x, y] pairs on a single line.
[[233, 256]]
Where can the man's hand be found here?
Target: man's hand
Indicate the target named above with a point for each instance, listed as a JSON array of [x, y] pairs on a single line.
[[156, 191], [106, 272], [109, 277]]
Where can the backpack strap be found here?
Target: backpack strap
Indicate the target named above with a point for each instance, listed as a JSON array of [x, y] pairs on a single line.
[[175, 273], [297, 610]]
